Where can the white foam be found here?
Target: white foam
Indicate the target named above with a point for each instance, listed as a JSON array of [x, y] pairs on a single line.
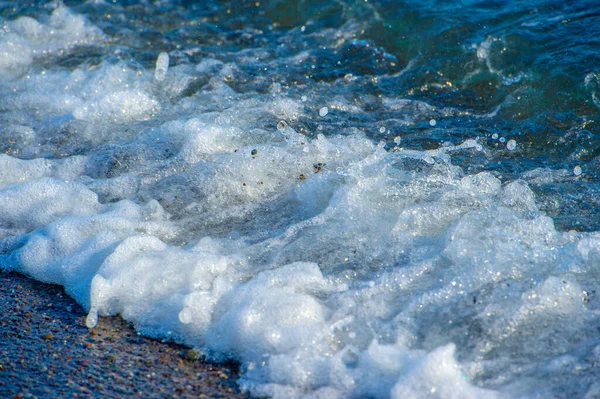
[[120, 107], [204, 139], [36, 203], [26, 39], [437, 375]]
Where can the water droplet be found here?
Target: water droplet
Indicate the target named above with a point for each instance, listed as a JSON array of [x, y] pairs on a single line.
[[511, 145], [92, 319], [432, 122], [162, 65], [323, 111], [577, 170]]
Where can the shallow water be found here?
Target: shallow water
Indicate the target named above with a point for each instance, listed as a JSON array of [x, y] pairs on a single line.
[[352, 199]]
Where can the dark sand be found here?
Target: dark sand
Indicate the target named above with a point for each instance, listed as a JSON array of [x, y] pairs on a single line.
[[46, 351]]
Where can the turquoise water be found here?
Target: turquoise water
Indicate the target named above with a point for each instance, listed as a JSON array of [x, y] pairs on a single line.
[[350, 198]]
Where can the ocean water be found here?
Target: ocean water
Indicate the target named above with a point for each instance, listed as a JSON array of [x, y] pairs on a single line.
[[353, 199]]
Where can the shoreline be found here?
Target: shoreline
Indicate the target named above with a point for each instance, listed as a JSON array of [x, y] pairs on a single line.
[[47, 351]]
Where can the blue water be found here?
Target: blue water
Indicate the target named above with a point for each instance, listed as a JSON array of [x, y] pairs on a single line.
[[350, 198]]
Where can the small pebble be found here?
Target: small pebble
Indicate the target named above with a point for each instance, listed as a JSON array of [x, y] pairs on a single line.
[[48, 336], [191, 355]]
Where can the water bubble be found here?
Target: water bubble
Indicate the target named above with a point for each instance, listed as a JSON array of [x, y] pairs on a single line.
[[495, 136], [577, 170], [432, 122], [382, 129], [323, 111], [502, 139], [511, 145], [304, 99], [185, 316], [397, 139]]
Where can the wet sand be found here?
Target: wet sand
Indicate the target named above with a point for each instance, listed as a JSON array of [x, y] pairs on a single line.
[[46, 351]]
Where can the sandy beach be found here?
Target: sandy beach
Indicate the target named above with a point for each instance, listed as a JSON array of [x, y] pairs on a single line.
[[46, 351]]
